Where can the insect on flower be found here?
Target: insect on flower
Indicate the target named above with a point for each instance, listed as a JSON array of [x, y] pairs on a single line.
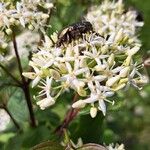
[[139, 15], [73, 32]]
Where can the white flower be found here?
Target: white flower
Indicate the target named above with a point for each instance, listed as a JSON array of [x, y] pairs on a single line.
[[26, 12], [116, 147], [46, 87], [46, 102], [94, 66], [95, 97], [45, 92], [110, 18]]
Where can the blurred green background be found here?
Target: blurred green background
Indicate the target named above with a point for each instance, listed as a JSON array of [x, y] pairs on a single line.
[[127, 122]]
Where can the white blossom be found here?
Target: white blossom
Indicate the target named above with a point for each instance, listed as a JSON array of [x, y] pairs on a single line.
[[94, 66], [25, 13], [110, 18], [115, 147]]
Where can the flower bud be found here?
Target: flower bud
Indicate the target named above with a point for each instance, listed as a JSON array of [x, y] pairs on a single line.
[[81, 92], [8, 31], [4, 45], [62, 68], [79, 104], [48, 5], [31, 27], [17, 22], [124, 80], [45, 16], [104, 49], [49, 101], [93, 112], [12, 20], [127, 61], [124, 72], [111, 60], [30, 75], [133, 51], [118, 37], [55, 74], [119, 87], [112, 80]]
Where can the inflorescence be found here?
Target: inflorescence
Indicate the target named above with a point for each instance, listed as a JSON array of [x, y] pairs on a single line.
[[26, 13], [95, 66]]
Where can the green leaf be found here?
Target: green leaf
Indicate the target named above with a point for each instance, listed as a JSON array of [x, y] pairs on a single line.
[[89, 129], [17, 106], [4, 137], [35, 136], [47, 117], [14, 143]]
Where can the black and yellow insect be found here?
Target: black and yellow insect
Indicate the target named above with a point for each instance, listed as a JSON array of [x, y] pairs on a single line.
[[73, 32]]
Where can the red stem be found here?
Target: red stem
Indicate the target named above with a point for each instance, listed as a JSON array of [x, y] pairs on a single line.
[[71, 114]]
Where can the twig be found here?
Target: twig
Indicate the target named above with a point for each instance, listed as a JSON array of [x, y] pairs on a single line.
[[71, 114], [25, 85]]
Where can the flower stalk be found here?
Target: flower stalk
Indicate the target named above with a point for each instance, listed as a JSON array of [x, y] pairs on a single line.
[[70, 115]]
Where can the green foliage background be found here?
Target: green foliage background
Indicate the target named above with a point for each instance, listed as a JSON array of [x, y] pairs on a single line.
[[123, 123]]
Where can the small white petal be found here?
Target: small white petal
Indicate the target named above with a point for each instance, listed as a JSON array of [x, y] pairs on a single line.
[[100, 78], [124, 72], [112, 80], [30, 75], [102, 106], [109, 94], [133, 51], [93, 98], [22, 21], [35, 81]]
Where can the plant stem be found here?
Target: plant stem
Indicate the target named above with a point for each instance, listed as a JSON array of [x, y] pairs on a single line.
[[25, 86], [71, 114], [12, 118], [16, 80]]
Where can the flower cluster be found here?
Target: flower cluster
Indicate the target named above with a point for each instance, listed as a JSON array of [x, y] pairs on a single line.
[[115, 147], [26, 13], [94, 66], [111, 17]]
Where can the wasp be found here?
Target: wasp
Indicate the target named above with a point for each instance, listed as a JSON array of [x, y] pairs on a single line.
[[73, 32]]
